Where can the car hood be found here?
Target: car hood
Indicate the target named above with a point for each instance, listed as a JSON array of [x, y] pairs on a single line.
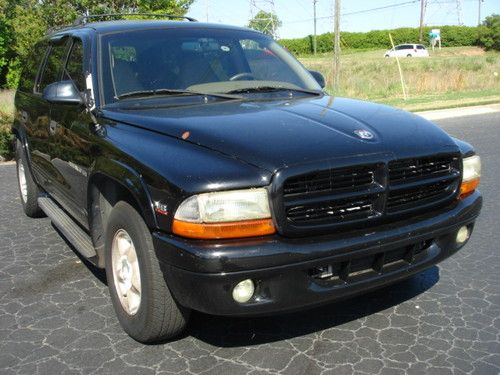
[[277, 134]]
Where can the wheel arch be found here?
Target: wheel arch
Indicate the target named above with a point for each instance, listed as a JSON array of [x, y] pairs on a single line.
[[109, 185]]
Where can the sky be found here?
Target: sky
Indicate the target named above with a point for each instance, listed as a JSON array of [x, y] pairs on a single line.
[[356, 15]]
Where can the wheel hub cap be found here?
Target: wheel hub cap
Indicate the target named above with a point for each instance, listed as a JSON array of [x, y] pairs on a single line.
[[22, 181], [126, 273]]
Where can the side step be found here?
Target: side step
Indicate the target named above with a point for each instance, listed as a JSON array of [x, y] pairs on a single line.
[[78, 238]]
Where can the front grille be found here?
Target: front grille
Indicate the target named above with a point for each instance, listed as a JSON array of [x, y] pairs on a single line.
[[342, 196]]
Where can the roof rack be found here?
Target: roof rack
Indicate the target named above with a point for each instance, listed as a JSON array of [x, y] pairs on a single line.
[[85, 19]]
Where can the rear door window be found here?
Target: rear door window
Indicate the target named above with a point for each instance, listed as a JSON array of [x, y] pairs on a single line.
[[53, 65]]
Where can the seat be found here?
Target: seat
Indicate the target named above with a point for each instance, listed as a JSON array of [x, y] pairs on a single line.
[[195, 70]]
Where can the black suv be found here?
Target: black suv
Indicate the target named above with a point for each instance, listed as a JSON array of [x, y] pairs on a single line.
[[204, 168]]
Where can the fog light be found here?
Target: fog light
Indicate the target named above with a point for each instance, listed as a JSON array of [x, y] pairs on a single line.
[[462, 235], [243, 291]]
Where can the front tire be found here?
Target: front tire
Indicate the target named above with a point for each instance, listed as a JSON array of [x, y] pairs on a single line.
[[28, 189], [143, 303], [408, 55]]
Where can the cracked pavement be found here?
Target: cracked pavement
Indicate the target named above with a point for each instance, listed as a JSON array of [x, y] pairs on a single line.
[[56, 315]]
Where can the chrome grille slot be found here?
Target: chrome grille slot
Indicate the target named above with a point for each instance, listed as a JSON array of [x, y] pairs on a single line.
[[423, 194], [403, 171], [330, 180], [333, 210]]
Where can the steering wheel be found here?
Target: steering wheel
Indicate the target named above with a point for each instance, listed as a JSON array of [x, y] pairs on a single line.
[[241, 76]]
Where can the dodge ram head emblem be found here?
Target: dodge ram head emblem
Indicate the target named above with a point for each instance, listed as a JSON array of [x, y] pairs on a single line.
[[363, 134]]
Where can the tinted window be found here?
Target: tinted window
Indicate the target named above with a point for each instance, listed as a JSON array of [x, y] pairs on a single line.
[[52, 70], [196, 59], [74, 66], [31, 66], [264, 64], [420, 47]]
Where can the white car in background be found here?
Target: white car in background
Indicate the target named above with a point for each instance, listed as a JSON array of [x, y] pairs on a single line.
[[407, 50]]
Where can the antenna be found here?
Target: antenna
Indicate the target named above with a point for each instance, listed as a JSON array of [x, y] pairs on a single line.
[[266, 6]]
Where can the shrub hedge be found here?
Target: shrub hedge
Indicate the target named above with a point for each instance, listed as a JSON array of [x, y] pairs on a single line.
[[452, 36], [6, 137]]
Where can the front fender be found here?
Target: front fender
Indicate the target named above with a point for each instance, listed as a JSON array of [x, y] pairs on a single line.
[[131, 180]]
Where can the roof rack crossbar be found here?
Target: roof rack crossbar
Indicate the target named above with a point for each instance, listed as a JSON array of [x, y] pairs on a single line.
[[84, 19]]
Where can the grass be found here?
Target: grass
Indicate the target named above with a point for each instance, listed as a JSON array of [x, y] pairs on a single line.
[[459, 75]]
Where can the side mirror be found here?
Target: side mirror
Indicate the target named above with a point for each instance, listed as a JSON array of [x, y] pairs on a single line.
[[319, 78], [62, 92]]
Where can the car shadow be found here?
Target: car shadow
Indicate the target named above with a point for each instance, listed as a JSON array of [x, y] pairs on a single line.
[[235, 332]]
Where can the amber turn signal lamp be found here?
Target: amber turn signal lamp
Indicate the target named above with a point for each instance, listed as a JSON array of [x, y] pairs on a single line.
[[468, 187], [471, 167], [237, 229]]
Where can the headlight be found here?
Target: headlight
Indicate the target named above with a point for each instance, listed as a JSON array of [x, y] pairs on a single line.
[[471, 175], [229, 214]]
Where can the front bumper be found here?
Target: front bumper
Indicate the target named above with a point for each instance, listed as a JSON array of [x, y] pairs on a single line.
[[202, 274]]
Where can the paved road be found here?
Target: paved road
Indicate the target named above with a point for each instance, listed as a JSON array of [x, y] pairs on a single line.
[[56, 316]]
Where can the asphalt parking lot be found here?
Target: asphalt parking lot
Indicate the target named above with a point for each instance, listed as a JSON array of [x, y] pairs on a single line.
[[56, 315]]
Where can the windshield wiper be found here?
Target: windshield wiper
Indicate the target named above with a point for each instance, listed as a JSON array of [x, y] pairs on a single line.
[[173, 92], [272, 89]]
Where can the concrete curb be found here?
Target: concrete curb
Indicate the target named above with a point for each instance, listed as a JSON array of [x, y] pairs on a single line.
[[459, 112]]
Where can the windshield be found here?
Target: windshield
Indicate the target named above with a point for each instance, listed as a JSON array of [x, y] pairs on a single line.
[[197, 60]]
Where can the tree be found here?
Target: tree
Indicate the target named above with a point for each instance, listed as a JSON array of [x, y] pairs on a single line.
[[489, 32], [22, 22], [267, 23]]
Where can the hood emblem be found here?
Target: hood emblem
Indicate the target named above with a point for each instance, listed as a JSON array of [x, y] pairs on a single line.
[[363, 134]]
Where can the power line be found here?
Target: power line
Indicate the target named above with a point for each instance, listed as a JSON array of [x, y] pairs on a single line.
[[359, 11], [406, 3]]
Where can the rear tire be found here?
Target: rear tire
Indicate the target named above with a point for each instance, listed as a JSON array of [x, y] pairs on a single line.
[[28, 189], [143, 303], [408, 55]]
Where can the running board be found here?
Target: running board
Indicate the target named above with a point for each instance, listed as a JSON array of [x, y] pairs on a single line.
[[73, 233]]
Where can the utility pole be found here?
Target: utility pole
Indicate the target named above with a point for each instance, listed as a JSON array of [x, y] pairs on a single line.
[[422, 13], [336, 51], [207, 8], [479, 12], [459, 13], [315, 45]]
